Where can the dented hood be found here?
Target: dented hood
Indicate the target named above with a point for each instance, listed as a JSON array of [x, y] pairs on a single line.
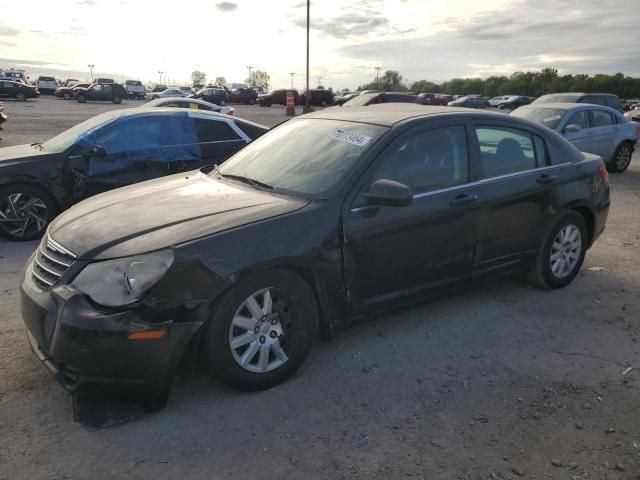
[[160, 213]]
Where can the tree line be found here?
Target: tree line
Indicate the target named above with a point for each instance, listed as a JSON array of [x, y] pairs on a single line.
[[532, 84]]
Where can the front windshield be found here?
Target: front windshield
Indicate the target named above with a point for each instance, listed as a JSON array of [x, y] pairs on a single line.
[[61, 142], [359, 101], [549, 117], [307, 156]]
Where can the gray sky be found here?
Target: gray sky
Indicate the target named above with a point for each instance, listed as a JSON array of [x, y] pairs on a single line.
[[423, 39]]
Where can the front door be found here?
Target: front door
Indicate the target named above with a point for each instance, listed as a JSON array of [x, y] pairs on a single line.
[[394, 251], [583, 140], [136, 149]]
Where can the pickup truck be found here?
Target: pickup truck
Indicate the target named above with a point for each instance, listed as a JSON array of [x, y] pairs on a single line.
[[135, 89]]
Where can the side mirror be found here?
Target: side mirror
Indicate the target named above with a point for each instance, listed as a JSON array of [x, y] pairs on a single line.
[[97, 151], [572, 128], [389, 193]]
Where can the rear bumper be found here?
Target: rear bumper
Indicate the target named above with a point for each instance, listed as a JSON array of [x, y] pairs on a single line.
[[81, 345]]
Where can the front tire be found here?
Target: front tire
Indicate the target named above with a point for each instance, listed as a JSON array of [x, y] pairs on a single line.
[[82, 99], [25, 212], [261, 330], [562, 254], [621, 158], [117, 100], [21, 97], [67, 96]]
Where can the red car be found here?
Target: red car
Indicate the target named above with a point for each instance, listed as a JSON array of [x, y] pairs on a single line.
[[247, 96], [68, 92]]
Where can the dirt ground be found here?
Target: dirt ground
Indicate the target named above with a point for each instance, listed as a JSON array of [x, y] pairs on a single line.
[[501, 381]]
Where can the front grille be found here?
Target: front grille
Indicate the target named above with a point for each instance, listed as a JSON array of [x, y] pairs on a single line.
[[50, 262]]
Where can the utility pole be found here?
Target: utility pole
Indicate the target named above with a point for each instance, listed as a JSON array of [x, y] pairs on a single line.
[[249, 68], [306, 107], [319, 78], [91, 68], [160, 73], [292, 74], [378, 76]]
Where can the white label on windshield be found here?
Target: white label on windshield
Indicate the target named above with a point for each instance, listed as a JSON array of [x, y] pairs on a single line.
[[350, 137], [552, 119]]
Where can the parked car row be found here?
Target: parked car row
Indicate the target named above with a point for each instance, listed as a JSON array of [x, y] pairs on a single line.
[[328, 217]]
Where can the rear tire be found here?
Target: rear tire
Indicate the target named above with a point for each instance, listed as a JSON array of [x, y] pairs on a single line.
[[67, 96], [82, 99], [222, 103], [252, 101], [25, 211], [260, 349], [621, 158], [117, 100], [562, 254]]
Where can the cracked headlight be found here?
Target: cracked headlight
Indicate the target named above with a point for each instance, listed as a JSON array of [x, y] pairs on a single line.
[[120, 282]]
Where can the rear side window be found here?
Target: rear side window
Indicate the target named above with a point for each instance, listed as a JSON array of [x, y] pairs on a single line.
[[47, 79], [580, 118], [613, 102], [252, 131], [214, 131], [428, 160], [600, 118], [509, 150]]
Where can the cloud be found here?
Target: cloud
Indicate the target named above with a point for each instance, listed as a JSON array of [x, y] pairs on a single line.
[[87, 3], [226, 6], [8, 31], [16, 61], [527, 35]]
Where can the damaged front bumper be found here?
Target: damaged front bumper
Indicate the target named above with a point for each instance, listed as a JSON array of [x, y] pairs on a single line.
[[82, 345]]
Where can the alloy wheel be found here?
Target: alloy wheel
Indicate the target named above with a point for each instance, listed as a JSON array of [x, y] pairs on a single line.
[[22, 214], [565, 251], [257, 334], [623, 157]]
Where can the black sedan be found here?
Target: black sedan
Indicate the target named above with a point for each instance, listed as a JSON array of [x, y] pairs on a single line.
[[20, 91], [109, 151], [322, 219]]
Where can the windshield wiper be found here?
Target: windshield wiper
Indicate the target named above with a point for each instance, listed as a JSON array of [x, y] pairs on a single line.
[[247, 180], [38, 145]]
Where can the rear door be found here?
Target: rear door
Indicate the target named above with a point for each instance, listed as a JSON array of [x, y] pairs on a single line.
[[517, 191], [603, 133], [218, 138]]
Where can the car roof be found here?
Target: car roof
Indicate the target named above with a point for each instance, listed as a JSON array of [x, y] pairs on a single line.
[[389, 114], [569, 106]]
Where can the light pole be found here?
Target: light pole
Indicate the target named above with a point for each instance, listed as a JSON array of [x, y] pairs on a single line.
[[307, 108], [160, 73], [378, 76], [249, 68], [319, 80], [91, 69], [292, 74]]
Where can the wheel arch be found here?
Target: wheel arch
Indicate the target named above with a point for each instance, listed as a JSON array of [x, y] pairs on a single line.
[[589, 219], [32, 182]]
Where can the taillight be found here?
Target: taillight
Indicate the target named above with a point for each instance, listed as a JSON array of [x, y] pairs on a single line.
[[604, 173]]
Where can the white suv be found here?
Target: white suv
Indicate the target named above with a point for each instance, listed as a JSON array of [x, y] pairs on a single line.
[[47, 85]]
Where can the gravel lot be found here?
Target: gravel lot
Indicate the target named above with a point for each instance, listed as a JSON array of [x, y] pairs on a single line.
[[502, 381]]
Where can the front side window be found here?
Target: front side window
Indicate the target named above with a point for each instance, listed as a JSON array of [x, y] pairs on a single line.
[[148, 132], [580, 118], [506, 150], [428, 160], [600, 118]]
